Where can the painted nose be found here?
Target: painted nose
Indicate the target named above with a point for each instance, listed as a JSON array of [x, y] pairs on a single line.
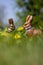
[[11, 25]]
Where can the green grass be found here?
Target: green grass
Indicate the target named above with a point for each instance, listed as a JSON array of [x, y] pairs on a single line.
[[23, 51]]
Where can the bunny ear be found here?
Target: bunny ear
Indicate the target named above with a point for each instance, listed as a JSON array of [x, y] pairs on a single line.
[[11, 21], [27, 18], [30, 19]]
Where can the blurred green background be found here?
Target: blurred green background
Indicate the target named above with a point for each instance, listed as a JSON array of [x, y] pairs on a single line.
[[23, 50]]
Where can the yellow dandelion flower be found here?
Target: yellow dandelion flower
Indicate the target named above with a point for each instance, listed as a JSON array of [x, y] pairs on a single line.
[[5, 34], [17, 36], [20, 28]]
